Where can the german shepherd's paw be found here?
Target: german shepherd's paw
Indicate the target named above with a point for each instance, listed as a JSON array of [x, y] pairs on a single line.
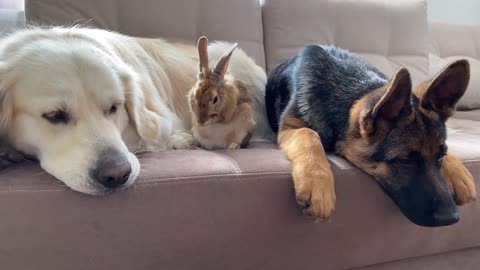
[[315, 192], [464, 191], [459, 179]]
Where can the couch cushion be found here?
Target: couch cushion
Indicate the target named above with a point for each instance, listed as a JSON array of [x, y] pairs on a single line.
[[451, 42], [218, 210], [468, 115], [388, 34], [180, 20], [454, 40], [467, 259]]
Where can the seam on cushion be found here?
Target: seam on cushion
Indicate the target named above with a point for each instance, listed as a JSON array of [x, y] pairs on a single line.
[[416, 257], [335, 27], [477, 46], [261, 35], [158, 181], [198, 27], [118, 23], [214, 175], [237, 168], [33, 190], [211, 178], [204, 178], [389, 31]]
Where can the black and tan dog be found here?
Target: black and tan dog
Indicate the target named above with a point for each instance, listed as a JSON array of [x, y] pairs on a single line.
[[326, 99]]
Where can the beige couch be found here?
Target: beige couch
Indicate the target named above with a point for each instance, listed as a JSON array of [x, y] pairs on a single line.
[[235, 209]]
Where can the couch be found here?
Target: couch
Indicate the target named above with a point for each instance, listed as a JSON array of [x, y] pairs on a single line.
[[236, 209]]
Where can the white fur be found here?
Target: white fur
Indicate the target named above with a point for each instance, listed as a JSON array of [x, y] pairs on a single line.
[[85, 71]]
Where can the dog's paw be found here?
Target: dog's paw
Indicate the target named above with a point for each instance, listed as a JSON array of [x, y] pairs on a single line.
[[315, 192], [460, 181], [9, 156], [464, 190], [182, 140], [233, 146]]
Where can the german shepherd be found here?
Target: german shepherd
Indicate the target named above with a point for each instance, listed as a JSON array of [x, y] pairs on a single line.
[[327, 99]]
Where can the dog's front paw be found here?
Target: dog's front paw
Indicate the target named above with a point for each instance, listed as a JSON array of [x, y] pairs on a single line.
[[182, 140], [315, 192], [460, 181], [464, 190]]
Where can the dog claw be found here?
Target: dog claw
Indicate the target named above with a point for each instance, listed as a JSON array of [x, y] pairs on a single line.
[[304, 203]]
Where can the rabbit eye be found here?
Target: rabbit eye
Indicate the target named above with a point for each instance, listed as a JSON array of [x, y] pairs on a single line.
[[215, 99]]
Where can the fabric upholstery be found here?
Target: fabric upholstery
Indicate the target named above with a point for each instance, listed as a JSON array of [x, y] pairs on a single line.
[[452, 42], [179, 20], [467, 259], [381, 37], [213, 210], [236, 209], [469, 115]]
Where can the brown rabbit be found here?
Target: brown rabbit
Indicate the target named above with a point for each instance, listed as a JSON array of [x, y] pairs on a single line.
[[220, 104]]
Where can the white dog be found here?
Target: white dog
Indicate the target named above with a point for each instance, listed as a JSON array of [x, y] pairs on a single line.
[[80, 100]]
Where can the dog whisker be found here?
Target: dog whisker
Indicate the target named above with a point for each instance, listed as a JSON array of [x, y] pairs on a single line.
[[40, 173]]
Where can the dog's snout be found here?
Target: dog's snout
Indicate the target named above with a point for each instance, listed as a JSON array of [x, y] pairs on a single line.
[[112, 169], [445, 218], [114, 176]]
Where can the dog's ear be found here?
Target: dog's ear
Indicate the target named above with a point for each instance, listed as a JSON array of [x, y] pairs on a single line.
[[140, 109], [442, 93], [394, 102]]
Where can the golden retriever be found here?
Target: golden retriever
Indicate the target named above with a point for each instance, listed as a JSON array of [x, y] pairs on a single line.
[[83, 100]]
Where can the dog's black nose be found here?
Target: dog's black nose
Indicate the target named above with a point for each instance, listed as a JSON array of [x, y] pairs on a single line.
[[445, 217], [114, 176]]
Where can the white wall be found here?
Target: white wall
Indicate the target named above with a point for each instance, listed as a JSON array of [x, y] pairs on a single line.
[[12, 4], [454, 11]]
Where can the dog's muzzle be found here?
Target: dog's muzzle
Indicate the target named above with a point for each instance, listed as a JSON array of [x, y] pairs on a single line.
[[112, 169]]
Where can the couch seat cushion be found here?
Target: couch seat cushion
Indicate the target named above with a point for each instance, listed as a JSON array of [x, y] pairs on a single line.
[[216, 209], [468, 115]]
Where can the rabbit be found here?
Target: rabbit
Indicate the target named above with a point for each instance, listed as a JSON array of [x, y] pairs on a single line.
[[220, 104]]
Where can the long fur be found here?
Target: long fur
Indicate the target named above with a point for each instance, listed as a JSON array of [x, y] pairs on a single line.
[[92, 66]]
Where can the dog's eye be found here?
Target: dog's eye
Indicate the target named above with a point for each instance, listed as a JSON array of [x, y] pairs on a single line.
[[440, 160], [403, 159], [442, 150], [113, 109], [215, 99], [56, 117], [441, 154]]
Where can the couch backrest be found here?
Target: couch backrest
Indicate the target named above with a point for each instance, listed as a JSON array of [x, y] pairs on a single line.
[[178, 20], [452, 42], [455, 40], [387, 33]]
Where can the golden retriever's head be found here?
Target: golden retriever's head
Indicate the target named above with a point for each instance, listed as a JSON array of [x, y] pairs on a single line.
[[64, 100]]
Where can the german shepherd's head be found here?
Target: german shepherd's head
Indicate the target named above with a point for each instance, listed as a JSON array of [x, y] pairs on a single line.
[[398, 136]]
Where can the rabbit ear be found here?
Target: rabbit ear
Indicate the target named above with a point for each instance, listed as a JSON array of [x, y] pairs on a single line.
[[203, 54], [222, 64]]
